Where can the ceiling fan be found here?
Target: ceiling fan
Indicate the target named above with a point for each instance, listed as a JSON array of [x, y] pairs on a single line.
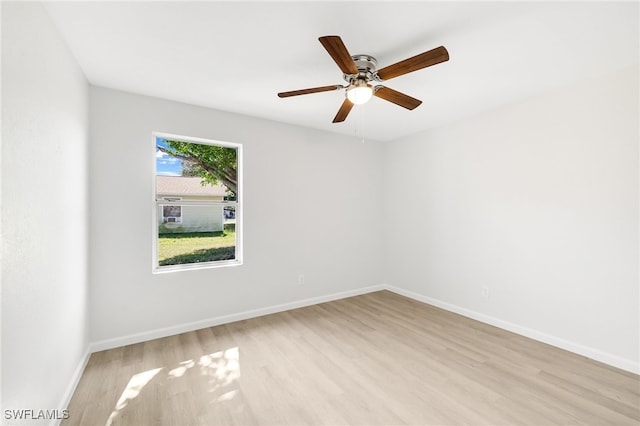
[[360, 71]]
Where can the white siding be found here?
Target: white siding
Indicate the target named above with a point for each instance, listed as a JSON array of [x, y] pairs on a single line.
[[194, 219]]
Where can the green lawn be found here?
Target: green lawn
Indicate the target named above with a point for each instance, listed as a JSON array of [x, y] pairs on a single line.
[[177, 249]]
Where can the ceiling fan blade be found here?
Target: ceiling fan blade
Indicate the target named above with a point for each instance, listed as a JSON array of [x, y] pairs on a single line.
[[308, 91], [344, 110], [423, 60], [396, 97], [339, 53]]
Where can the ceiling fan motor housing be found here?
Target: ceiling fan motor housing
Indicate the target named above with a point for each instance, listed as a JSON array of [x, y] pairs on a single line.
[[367, 66]]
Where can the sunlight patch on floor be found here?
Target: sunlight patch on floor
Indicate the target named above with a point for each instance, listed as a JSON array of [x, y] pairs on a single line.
[[132, 390], [220, 369], [184, 366]]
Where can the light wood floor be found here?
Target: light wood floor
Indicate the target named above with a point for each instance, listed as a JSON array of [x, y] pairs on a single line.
[[377, 359]]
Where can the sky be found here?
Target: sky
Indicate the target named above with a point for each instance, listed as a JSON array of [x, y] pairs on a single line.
[[167, 165]]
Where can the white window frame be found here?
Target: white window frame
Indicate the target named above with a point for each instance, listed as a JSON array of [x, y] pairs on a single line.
[[161, 202]]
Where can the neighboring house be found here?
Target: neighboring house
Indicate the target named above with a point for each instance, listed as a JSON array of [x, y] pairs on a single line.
[[189, 218]]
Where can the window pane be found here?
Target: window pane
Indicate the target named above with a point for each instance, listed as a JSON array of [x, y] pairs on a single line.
[[195, 170], [196, 195], [204, 234]]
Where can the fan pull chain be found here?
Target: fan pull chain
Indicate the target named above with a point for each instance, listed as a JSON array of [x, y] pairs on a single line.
[[362, 108]]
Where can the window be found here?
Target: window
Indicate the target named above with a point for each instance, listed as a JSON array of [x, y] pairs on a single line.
[[171, 214], [197, 211]]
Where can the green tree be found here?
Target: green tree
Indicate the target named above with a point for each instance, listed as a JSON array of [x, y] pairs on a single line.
[[213, 164]]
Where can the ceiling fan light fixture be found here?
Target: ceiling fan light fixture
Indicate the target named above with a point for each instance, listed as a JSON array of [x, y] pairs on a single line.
[[359, 92]]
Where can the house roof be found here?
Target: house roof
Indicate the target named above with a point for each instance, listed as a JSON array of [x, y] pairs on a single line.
[[183, 186]]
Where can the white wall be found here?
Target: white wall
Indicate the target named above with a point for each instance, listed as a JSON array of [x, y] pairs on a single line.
[[537, 201], [44, 212], [312, 207]]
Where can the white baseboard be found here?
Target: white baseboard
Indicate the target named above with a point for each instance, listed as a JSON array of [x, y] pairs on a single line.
[[595, 354], [211, 322], [73, 384]]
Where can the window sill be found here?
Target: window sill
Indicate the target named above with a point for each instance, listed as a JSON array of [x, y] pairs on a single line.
[[196, 266]]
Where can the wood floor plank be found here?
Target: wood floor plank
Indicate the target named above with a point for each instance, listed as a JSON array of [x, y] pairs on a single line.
[[375, 359]]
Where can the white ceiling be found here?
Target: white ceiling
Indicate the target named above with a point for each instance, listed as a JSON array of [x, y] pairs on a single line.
[[236, 56]]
